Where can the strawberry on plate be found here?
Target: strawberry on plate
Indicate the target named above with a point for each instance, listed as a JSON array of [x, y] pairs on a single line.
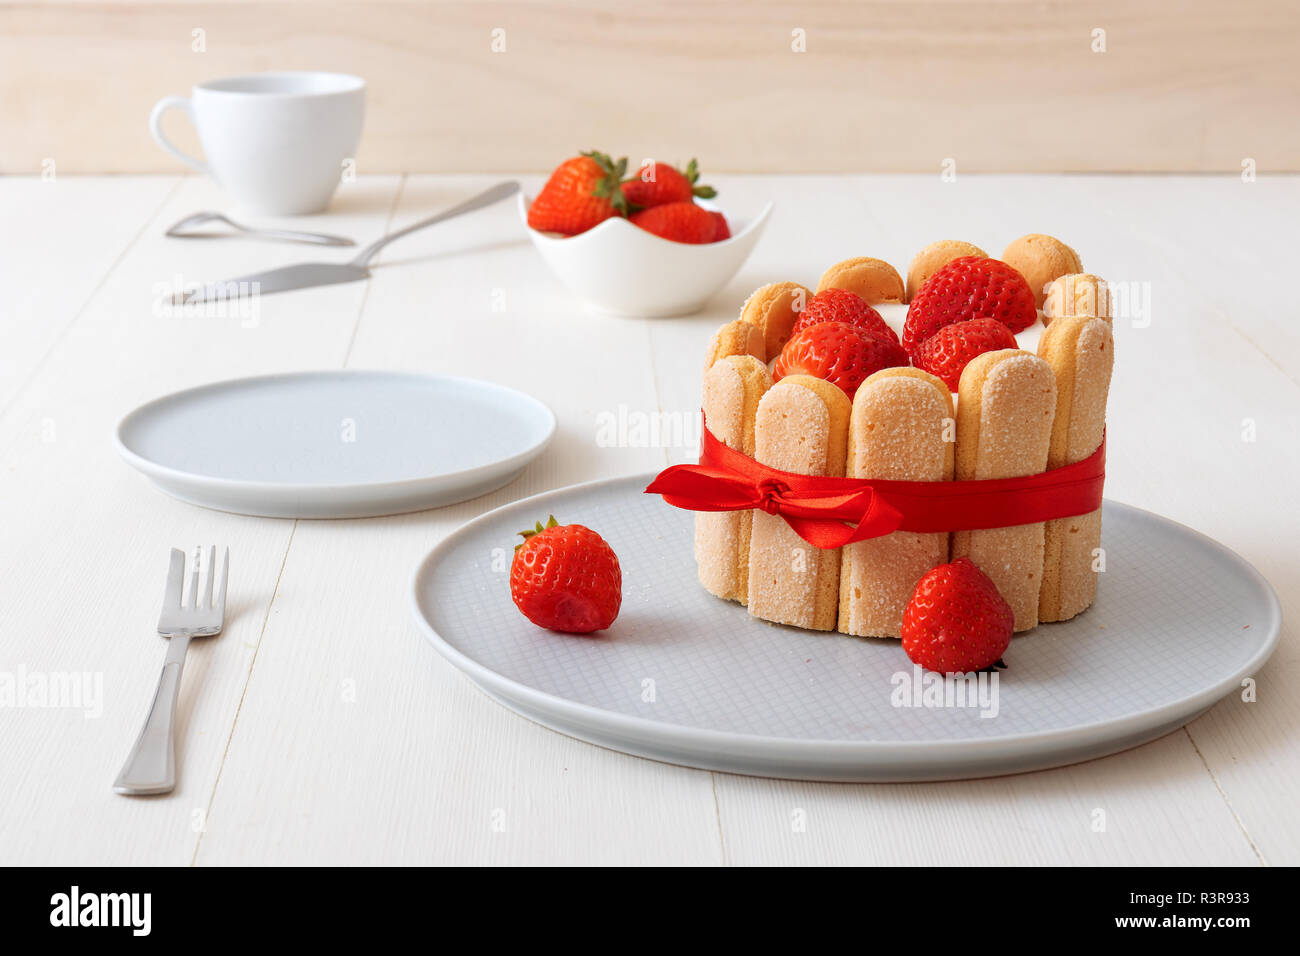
[[841, 305], [969, 288], [582, 192], [956, 621], [566, 578], [947, 353], [678, 221], [839, 353], [658, 183]]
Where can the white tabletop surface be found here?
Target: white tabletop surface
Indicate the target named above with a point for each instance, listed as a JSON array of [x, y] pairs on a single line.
[[321, 727]]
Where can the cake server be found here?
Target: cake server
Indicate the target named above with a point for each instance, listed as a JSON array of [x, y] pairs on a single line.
[[308, 274]]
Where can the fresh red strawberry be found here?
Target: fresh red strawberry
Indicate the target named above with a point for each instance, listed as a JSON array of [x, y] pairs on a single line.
[[678, 221], [720, 228], [841, 305], [566, 578], [581, 193], [956, 621], [838, 353], [658, 183], [950, 349], [969, 288]]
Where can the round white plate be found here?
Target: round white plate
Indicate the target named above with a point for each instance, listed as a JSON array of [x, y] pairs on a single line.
[[686, 678], [337, 444]]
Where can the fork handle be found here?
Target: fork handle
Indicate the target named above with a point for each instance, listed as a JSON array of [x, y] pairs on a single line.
[[151, 768]]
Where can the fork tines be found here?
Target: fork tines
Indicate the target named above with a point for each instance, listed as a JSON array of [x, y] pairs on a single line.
[[195, 606]]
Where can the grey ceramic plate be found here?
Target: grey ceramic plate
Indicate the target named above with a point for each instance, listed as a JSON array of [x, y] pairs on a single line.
[[686, 678], [335, 444]]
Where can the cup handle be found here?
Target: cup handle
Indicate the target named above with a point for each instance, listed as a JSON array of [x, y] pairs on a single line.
[[155, 127]]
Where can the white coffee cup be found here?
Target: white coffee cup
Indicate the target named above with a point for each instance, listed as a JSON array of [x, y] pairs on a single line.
[[277, 142]]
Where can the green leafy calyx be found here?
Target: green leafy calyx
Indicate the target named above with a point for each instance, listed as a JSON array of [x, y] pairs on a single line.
[[532, 532], [611, 180], [692, 173]]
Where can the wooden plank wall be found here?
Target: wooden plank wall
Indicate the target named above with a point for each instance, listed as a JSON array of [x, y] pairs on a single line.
[[997, 85]]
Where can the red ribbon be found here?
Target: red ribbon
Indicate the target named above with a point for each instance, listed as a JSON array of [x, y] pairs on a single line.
[[832, 512]]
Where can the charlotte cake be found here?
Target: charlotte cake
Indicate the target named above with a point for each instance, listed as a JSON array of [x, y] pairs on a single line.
[[1016, 413], [733, 387], [1081, 352], [1041, 259], [1077, 294], [933, 258], [802, 426], [875, 280], [1005, 406], [896, 431]]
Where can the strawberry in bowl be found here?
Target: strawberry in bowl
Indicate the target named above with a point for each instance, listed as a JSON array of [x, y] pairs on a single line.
[[657, 184], [581, 194], [679, 222], [662, 201], [649, 245]]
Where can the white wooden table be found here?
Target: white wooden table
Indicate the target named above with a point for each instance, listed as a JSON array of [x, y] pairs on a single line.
[[322, 728]]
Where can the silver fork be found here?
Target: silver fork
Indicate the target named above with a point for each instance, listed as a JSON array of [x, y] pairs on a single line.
[[151, 768]]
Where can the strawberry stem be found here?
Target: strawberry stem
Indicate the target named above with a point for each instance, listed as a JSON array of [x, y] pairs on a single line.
[[533, 532], [692, 173], [610, 183]]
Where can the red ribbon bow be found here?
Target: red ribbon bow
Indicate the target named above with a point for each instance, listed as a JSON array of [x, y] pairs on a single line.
[[832, 512]]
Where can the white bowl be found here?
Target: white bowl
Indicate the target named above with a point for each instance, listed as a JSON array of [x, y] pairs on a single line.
[[620, 268]]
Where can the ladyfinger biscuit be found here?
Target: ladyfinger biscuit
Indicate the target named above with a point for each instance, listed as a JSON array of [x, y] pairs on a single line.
[[802, 426], [732, 389], [933, 258], [1040, 259], [900, 419], [1006, 402], [1077, 294], [735, 338], [874, 280], [1081, 351], [774, 309]]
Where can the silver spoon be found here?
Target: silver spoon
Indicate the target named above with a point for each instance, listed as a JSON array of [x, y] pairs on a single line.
[[185, 230]]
